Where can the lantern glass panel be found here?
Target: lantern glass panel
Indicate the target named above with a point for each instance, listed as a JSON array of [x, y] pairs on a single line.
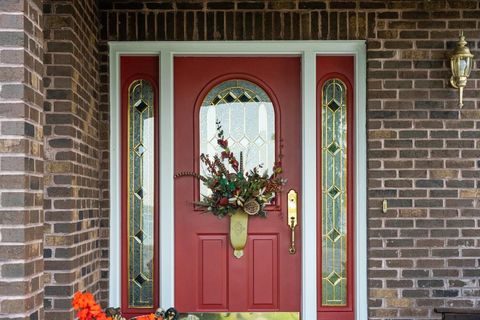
[[469, 62], [462, 66]]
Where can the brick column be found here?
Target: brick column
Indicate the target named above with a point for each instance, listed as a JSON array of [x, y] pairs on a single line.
[[21, 160], [71, 154]]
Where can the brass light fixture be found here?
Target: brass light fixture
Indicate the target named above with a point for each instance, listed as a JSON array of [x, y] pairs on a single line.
[[461, 62]]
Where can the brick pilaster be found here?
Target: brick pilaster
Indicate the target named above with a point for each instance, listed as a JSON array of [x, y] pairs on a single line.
[[21, 160], [71, 153]]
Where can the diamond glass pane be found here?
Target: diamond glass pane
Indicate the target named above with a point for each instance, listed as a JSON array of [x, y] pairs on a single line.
[[140, 194], [334, 193], [248, 120], [334, 278], [334, 235], [333, 148], [139, 236], [140, 150], [333, 106], [141, 106]]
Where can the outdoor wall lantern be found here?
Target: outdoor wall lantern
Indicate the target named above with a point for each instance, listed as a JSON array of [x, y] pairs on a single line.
[[461, 62]]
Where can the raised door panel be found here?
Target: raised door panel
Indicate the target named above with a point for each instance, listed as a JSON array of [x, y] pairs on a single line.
[[213, 289], [263, 275]]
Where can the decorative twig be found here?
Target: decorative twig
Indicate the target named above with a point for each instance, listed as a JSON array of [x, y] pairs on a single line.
[[206, 160], [220, 164], [241, 162], [190, 174]]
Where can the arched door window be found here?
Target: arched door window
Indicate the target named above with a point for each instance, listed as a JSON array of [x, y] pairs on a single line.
[[247, 116]]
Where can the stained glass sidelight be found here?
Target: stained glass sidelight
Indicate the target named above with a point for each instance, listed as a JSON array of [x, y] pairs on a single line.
[[141, 155], [248, 120], [334, 193]]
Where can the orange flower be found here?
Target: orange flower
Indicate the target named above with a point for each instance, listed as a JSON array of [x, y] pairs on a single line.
[[95, 309], [87, 307], [79, 301], [83, 314]]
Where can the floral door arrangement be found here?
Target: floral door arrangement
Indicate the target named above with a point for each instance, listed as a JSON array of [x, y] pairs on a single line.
[[235, 192]]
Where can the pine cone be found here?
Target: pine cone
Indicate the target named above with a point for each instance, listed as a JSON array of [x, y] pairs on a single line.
[[252, 207]]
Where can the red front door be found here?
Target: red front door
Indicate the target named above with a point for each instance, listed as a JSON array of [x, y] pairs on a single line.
[[258, 102]]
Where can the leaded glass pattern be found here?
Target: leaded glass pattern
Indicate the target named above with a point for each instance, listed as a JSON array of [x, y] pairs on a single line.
[[248, 120], [334, 193], [140, 216]]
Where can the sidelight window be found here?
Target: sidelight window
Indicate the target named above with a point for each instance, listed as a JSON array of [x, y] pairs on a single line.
[[334, 193], [140, 208]]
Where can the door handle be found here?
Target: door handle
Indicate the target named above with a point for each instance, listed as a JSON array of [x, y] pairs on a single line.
[[292, 217]]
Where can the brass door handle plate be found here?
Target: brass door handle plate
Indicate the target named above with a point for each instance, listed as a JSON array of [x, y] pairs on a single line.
[[292, 217]]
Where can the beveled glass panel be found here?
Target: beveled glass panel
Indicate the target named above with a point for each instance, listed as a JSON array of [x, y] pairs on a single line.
[[141, 157], [248, 120], [334, 193]]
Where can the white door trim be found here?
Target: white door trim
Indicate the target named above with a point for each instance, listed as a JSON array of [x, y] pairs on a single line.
[[308, 50]]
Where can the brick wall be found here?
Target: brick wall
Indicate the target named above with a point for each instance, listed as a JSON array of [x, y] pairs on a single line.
[[423, 151], [21, 160], [423, 154], [71, 153]]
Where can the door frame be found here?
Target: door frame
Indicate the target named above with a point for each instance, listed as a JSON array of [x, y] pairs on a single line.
[[308, 51]]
